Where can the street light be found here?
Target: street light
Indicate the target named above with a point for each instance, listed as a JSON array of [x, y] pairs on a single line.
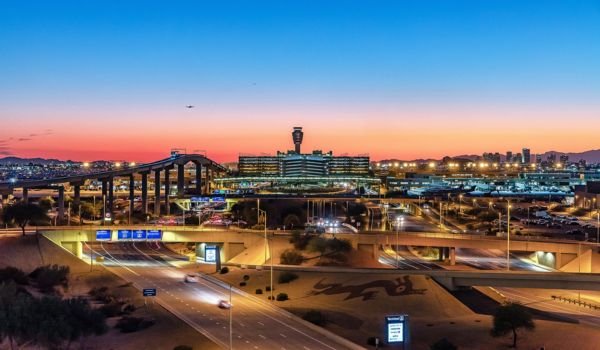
[[508, 236], [264, 213], [598, 227]]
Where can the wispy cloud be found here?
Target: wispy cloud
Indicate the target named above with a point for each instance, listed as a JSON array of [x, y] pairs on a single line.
[[21, 139]]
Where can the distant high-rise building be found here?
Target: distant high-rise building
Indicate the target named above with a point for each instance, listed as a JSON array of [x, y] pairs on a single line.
[[509, 156], [297, 136], [538, 158], [526, 156], [564, 159]]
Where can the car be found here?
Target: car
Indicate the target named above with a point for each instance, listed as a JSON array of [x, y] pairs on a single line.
[[224, 304], [574, 223], [191, 278]]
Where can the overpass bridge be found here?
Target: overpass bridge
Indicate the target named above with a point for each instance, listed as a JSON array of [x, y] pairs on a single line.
[[143, 170], [234, 241]]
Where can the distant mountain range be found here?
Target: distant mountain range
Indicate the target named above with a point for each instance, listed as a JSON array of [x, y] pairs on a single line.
[[592, 156], [25, 161]]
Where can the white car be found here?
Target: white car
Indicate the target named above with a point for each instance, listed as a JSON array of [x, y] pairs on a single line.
[[224, 304], [191, 278]]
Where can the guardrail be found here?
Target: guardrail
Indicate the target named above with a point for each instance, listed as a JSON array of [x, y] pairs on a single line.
[[576, 302]]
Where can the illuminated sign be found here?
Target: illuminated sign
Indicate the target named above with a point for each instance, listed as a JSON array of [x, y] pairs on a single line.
[[154, 234], [218, 199], [139, 234], [210, 254], [395, 328], [124, 234], [103, 235], [199, 199]]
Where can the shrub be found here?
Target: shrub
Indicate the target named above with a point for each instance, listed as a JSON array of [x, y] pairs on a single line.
[[112, 309], [291, 257], [268, 288], [129, 324], [14, 274], [49, 276], [373, 341], [246, 277], [242, 284], [258, 291], [282, 297], [315, 317], [287, 277], [224, 270], [339, 245], [443, 344], [183, 347], [299, 240], [101, 294]]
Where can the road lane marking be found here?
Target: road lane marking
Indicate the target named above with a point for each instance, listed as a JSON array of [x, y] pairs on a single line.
[[283, 335], [262, 336], [260, 323]]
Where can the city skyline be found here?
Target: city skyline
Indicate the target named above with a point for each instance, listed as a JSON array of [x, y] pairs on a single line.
[[79, 82]]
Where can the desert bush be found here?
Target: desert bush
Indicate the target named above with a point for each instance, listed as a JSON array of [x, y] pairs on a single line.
[[291, 257], [287, 277], [315, 317], [282, 297], [224, 270], [129, 324]]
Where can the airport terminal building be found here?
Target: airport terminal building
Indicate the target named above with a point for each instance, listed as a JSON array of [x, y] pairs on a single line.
[[294, 168]]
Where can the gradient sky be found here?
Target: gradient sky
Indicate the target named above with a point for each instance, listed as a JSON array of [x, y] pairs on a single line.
[[89, 80]]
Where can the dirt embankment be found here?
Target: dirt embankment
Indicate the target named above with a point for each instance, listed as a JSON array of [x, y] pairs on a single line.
[[355, 306], [167, 332]]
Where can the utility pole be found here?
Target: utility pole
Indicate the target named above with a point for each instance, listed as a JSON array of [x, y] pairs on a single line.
[[508, 236]]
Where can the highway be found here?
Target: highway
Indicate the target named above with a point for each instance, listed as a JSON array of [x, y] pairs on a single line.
[[256, 324]]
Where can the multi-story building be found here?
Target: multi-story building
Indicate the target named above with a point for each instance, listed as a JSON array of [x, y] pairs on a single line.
[[293, 163], [526, 156]]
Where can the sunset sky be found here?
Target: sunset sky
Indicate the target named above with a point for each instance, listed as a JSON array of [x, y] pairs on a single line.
[[88, 80]]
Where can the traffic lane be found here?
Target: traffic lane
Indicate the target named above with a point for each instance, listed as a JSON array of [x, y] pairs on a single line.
[[187, 298], [490, 259], [546, 303], [260, 327]]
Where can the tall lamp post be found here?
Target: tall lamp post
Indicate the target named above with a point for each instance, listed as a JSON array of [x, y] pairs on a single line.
[[264, 213], [508, 236], [598, 227]]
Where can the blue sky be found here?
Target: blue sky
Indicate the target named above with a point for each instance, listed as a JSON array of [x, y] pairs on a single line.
[[137, 59]]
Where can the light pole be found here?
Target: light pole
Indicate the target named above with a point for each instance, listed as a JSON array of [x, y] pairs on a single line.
[[397, 240], [264, 213], [598, 227], [460, 197], [508, 236], [230, 320], [441, 216]]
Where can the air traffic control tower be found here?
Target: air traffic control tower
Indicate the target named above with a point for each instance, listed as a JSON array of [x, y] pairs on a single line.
[[297, 136]]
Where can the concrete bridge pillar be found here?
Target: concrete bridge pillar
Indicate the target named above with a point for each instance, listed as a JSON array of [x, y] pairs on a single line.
[[76, 248], [61, 204], [198, 175], [25, 195], [180, 180], [144, 192], [167, 191], [131, 194], [157, 193], [111, 196], [77, 195], [452, 256]]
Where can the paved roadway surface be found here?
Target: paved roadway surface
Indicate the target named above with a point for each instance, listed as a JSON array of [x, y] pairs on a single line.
[[256, 324]]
